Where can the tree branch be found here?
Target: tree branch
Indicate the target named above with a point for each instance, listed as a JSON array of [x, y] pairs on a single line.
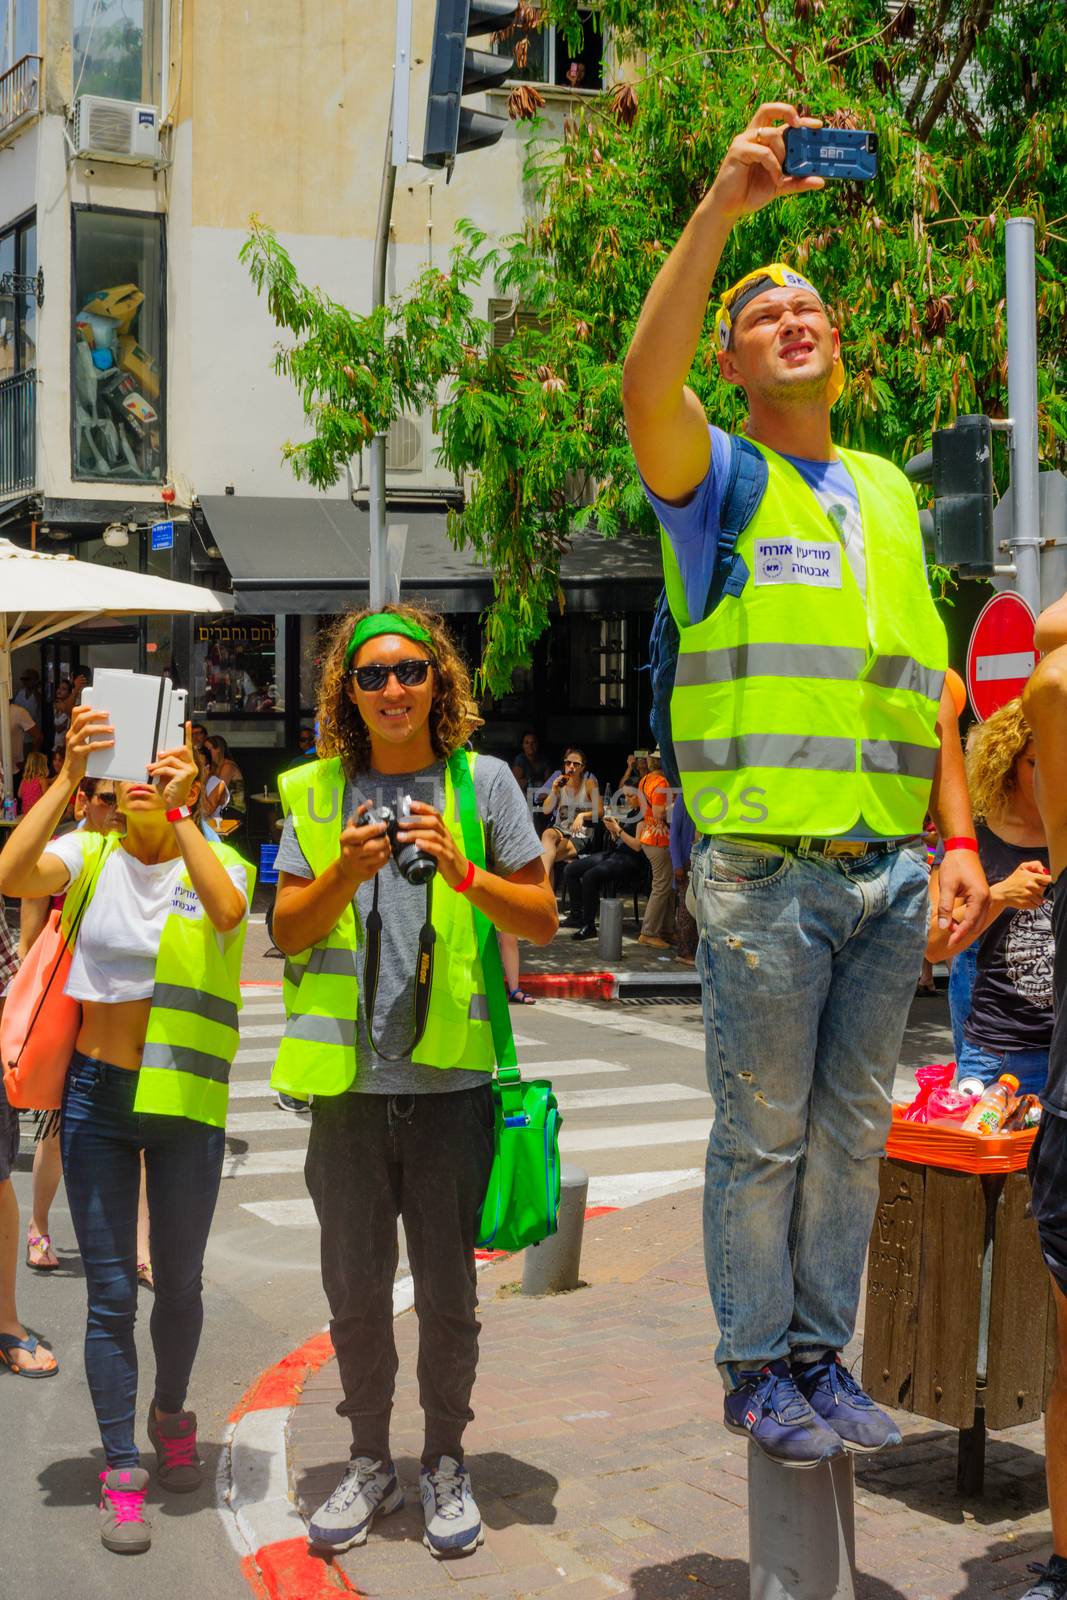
[[923, 80], [779, 54], [970, 28]]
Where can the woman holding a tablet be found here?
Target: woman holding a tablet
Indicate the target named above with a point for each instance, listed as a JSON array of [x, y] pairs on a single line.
[[156, 969]]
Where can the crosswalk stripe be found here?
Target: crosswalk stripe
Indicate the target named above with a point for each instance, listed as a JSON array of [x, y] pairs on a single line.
[[273, 1121], [661, 1032], [283, 1213], [249, 1058], [693, 1130], [264, 1163], [262, 1030]]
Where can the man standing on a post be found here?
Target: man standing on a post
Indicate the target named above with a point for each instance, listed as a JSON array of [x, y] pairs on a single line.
[[811, 735]]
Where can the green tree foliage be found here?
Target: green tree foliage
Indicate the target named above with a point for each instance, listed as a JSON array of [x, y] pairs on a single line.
[[969, 98]]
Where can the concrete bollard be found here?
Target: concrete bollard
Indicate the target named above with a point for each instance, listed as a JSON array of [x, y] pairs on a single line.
[[801, 1530], [551, 1267], [610, 941]]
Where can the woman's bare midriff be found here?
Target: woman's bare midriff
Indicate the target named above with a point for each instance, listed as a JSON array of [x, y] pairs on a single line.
[[114, 1033]]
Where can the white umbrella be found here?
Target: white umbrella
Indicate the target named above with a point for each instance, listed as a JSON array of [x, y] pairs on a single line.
[[43, 594]]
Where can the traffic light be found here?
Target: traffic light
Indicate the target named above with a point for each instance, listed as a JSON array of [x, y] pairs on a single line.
[[452, 128], [960, 467]]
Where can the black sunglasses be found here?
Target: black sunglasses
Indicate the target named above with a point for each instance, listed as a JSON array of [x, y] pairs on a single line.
[[410, 673], [110, 798]]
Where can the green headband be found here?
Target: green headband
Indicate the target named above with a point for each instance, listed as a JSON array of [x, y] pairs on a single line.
[[379, 622]]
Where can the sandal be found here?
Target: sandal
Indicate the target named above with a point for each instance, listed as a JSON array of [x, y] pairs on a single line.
[[144, 1275], [42, 1244], [9, 1343], [519, 997]]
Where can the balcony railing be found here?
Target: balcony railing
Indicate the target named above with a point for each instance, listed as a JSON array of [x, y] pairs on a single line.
[[18, 433], [20, 92]]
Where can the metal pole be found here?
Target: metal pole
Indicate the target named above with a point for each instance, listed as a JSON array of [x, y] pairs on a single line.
[[551, 1267], [5, 704], [1022, 404], [801, 1530], [395, 151]]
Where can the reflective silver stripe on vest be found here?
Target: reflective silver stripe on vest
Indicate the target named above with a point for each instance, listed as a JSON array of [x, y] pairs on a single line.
[[478, 1010], [336, 963], [766, 750], [891, 758], [182, 1058], [176, 997], [768, 661], [322, 1030], [904, 672]]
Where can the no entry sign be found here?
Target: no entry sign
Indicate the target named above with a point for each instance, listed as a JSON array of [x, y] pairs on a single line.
[[1000, 656]]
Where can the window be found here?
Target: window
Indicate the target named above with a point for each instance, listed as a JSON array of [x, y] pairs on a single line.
[[18, 310], [234, 666], [118, 49], [119, 339], [542, 56], [18, 31]]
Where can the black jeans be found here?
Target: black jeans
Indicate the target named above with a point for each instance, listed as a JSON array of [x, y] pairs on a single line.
[[426, 1158], [605, 872], [101, 1139]]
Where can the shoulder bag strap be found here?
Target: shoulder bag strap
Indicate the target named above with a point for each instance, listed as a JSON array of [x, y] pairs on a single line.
[[68, 941]]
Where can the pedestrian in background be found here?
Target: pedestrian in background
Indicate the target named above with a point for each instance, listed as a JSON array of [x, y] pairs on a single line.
[[35, 780], [683, 834], [1009, 1021], [654, 836], [807, 758], [402, 1110], [156, 969], [587, 878], [573, 806]]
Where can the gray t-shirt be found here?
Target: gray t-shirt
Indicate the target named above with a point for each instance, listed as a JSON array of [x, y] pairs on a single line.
[[510, 843]]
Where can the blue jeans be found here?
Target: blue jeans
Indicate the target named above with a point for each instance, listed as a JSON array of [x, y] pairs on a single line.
[[102, 1138], [961, 976], [808, 966], [1029, 1066]]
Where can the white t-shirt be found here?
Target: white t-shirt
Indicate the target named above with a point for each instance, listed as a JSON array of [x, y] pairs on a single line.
[[20, 722], [115, 951]]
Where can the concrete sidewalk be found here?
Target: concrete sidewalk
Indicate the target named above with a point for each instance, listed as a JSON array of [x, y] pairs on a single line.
[[601, 1465]]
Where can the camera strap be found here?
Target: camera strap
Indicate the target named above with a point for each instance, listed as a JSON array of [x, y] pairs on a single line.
[[372, 963]]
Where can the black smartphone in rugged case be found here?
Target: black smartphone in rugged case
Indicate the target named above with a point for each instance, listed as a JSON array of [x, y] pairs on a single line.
[[831, 153]]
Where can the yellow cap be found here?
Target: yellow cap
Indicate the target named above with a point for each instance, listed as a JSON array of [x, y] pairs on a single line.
[[775, 275]]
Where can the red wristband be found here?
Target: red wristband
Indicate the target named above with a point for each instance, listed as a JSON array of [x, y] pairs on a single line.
[[962, 843], [179, 814], [468, 879]]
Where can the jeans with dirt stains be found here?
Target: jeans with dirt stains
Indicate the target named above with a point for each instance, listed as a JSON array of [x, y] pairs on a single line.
[[807, 965]]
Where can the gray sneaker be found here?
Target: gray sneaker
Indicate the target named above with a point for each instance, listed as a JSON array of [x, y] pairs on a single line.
[[453, 1521], [124, 1527], [368, 1488], [174, 1441]]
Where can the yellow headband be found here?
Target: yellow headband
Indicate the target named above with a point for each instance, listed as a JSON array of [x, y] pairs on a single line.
[[776, 275]]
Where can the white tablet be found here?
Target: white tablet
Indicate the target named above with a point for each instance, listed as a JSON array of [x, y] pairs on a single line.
[[148, 716]]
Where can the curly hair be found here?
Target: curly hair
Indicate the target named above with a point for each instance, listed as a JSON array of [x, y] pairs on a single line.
[[453, 713], [993, 752]]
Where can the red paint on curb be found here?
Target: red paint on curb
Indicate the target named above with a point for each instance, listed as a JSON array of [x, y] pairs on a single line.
[[599, 1211], [261, 983], [280, 1384], [250, 1573], [287, 1571], [570, 985]]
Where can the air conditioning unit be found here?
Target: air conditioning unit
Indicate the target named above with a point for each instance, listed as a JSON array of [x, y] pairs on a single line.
[[116, 130], [405, 449]]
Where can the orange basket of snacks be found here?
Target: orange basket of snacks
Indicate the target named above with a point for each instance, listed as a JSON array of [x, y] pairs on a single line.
[[983, 1135]]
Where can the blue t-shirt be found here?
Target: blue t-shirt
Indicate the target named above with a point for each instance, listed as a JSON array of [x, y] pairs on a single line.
[[693, 529]]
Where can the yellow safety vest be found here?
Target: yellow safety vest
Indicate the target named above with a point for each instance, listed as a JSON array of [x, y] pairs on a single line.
[[192, 1034], [798, 707], [321, 985]]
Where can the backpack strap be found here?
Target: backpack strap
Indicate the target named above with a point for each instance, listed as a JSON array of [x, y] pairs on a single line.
[[489, 951], [746, 481]]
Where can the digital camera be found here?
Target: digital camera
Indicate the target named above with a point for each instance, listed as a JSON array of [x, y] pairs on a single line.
[[414, 864]]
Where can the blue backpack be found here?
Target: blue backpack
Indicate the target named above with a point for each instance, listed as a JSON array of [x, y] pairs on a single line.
[[745, 483]]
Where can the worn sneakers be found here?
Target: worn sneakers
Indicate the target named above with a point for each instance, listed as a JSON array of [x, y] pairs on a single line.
[[124, 1527], [453, 1521], [768, 1406], [368, 1488], [836, 1397], [174, 1441], [1051, 1580]]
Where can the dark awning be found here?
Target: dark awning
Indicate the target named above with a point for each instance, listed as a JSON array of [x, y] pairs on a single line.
[[312, 557]]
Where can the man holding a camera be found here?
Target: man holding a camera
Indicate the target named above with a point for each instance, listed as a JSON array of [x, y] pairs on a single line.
[[389, 1032], [811, 733]]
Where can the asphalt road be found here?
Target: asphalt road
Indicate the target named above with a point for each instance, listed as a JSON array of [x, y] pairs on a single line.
[[630, 1079]]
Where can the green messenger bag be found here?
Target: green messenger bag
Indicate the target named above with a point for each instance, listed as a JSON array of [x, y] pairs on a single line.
[[521, 1205]]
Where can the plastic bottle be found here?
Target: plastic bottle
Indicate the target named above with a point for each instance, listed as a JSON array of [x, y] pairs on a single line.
[[988, 1113]]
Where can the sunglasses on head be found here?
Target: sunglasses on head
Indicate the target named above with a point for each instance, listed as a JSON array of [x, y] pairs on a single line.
[[410, 673]]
